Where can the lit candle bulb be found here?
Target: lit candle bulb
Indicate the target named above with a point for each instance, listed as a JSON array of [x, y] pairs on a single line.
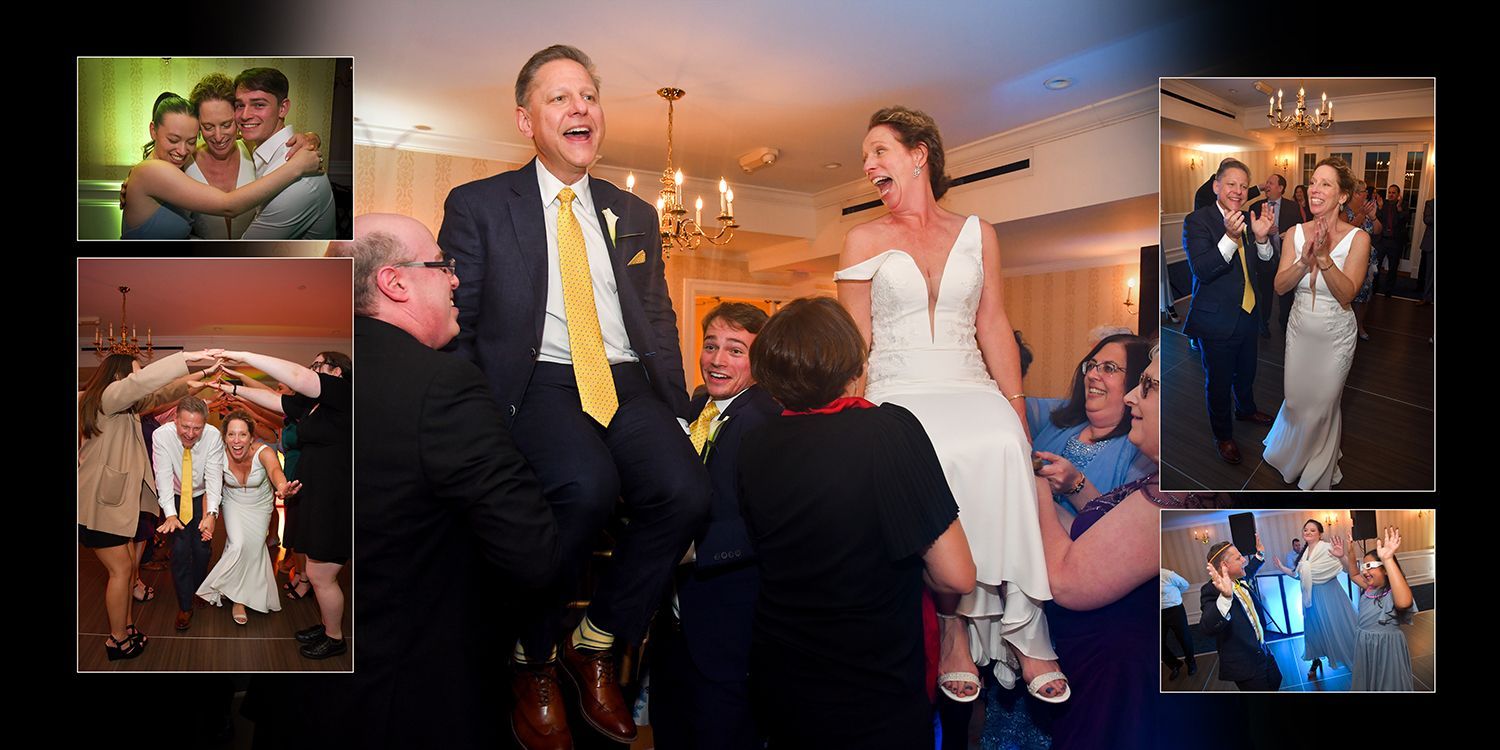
[[729, 200], [677, 178], [1279, 92], [98, 339], [1270, 106], [630, 183], [699, 216], [723, 186], [1330, 110]]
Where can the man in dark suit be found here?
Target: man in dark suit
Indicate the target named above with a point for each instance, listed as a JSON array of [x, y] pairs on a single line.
[[699, 676], [448, 515], [564, 307], [1390, 241], [1223, 315], [1232, 612], [1284, 215]]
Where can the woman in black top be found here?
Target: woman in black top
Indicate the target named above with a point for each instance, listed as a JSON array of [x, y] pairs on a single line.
[[850, 514], [321, 526]]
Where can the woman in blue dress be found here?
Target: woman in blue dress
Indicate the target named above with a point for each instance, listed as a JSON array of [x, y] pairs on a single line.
[[1381, 659], [159, 198], [1083, 438], [1327, 619]]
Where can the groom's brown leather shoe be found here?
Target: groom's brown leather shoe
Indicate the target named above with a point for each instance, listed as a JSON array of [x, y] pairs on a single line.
[[1255, 417], [184, 619], [537, 719], [1229, 451], [593, 674]]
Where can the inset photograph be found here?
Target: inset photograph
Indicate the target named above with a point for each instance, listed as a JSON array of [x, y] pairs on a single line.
[[1298, 222], [175, 148], [1299, 600], [214, 485]]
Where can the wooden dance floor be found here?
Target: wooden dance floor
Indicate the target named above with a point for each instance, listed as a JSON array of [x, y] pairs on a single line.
[[1420, 641], [1387, 409], [214, 642]]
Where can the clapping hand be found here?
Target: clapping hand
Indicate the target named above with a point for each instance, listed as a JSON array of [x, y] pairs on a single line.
[[1386, 549], [1261, 225], [1234, 225], [1221, 581]]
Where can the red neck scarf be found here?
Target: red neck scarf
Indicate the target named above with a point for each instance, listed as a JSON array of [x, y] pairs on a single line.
[[833, 407]]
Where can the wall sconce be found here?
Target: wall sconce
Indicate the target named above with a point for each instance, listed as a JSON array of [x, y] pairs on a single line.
[[1330, 519], [1193, 162], [1130, 301], [1202, 537], [1283, 164]]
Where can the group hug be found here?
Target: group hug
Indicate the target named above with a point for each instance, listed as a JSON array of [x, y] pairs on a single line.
[[250, 177], [1370, 643], [156, 459], [861, 515]]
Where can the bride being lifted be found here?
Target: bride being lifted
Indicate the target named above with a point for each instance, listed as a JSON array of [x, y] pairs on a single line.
[[942, 346]]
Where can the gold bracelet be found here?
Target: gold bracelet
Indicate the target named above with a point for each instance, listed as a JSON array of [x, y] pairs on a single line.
[[1013, 398], [1322, 267]]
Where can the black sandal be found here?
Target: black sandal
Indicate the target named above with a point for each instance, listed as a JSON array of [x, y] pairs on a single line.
[[135, 635], [116, 650], [291, 588], [147, 593]]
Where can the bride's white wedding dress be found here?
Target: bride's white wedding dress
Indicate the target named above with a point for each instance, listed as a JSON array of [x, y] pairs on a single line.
[[1320, 337], [933, 367]]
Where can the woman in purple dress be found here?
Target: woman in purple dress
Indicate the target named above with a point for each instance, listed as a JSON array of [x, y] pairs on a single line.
[[1105, 607]]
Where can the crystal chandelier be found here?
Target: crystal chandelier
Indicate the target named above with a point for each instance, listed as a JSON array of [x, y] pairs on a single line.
[[677, 228], [127, 342], [1300, 122]]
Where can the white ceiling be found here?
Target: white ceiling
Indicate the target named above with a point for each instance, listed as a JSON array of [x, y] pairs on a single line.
[[220, 297], [1242, 91], [802, 77]]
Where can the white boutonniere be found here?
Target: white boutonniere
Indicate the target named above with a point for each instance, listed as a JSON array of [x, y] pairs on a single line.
[[610, 219]]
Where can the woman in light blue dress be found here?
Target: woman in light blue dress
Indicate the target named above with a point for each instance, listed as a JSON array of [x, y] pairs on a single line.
[[1381, 659], [1082, 438], [159, 198], [1327, 618]]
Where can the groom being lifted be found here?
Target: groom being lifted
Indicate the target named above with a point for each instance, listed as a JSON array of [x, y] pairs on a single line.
[[1223, 315], [564, 307]]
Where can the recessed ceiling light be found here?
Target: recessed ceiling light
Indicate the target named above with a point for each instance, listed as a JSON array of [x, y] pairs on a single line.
[[423, 128], [832, 165], [1057, 84]]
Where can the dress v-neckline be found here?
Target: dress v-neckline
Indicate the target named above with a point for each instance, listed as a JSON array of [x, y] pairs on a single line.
[[934, 300], [229, 464]]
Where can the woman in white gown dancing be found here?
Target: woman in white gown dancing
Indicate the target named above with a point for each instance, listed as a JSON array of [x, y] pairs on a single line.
[[1304, 441], [942, 347], [253, 481]]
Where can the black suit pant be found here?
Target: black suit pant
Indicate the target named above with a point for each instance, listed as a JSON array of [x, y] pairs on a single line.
[[1269, 677], [643, 458], [1229, 366]]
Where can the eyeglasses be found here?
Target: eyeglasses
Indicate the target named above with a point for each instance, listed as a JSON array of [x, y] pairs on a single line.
[[318, 364], [447, 264], [1108, 367], [1148, 384]]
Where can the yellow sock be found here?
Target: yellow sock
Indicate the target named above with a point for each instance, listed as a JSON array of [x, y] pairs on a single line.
[[519, 654], [588, 635]]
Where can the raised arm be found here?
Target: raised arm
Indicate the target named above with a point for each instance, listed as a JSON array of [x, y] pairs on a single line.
[[997, 340], [1115, 555], [284, 489], [168, 184], [270, 401], [296, 377], [1386, 550]]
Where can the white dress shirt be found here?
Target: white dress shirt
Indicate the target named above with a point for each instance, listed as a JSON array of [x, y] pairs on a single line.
[[555, 347], [1173, 586], [208, 467], [303, 211], [1227, 244]]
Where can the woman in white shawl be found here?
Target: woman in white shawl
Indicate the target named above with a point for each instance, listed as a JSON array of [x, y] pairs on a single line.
[[1328, 624]]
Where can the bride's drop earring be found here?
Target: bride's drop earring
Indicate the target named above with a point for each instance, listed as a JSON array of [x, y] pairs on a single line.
[[916, 172]]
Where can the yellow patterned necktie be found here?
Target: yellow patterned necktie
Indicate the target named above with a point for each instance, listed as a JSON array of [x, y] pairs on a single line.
[[596, 385], [185, 503], [1247, 298], [702, 426], [1243, 592]]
